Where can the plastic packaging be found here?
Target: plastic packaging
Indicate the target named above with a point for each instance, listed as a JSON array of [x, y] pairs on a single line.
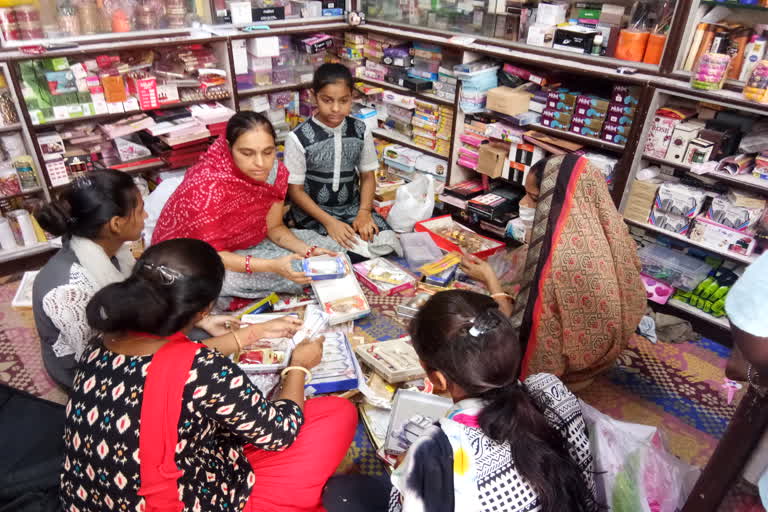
[[9, 182], [414, 202], [324, 267], [711, 71], [673, 267], [419, 249], [756, 88], [23, 229], [7, 239]]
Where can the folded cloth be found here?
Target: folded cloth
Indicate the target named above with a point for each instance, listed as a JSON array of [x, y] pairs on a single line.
[[385, 242]]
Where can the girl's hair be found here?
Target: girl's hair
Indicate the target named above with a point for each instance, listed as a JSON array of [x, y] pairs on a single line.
[[90, 203], [244, 121], [171, 282], [538, 170], [329, 74], [463, 335]]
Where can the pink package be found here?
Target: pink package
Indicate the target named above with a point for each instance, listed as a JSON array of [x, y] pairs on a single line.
[[657, 291]]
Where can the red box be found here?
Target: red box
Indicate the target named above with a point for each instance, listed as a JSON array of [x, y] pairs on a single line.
[[427, 226], [145, 89]]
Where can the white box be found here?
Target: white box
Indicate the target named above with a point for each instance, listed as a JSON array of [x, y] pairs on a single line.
[[683, 134], [115, 108], [541, 35], [240, 56], [99, 104], [720, 237], [551, 14], [241, 13], [131, 104], [264, 47], [57, 173]]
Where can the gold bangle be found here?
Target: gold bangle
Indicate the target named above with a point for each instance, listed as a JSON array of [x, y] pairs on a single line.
[[239, 344], [308, 373], [501, 294]]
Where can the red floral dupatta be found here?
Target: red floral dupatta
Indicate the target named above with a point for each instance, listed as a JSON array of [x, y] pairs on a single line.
[[219, 204]]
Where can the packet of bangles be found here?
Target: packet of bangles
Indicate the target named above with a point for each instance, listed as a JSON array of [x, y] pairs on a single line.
[[319, 268]]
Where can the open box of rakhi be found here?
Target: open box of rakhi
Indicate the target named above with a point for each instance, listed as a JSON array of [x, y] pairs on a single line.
[[453, 237]]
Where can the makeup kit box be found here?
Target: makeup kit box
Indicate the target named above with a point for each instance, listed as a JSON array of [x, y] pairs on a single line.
[[626, 95], [592, 102], [395, 361], [319, 268], [716, 235], [489, 206], [562, 100], [338, 370], [412, 413], [575, 38], [317, 43], [448, 235], [669, 221], [541, 35], [342, 298], [680, 199], [384, 277]]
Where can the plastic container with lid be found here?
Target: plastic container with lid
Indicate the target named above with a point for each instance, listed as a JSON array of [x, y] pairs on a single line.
[[673, 267], [419, 249]]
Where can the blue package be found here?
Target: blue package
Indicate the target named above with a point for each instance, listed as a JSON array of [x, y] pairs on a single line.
[[443, 278], [319, 268], [337, 370]]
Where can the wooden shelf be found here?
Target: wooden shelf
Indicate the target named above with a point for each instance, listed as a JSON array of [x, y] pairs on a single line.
[[726, 254], [405, 141], [743, 180], [119, 115], [23, 252], [268, 89], [579, 139], [10, 128], [426, 96], [154, 166], [24, 193], [682, 306]]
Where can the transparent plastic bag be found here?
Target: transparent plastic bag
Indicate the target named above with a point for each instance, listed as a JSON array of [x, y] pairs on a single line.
[[633, 470]]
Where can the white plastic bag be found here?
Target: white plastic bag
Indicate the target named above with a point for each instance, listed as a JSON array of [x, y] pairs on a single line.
[[414, 202], [633, 470]]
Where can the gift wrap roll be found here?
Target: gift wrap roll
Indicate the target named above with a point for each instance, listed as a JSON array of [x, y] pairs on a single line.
[[7, 240], [21, 223], [631, 45]]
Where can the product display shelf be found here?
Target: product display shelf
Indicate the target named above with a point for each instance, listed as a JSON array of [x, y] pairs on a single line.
[[727, 254], [742, 180], [105, 38], [421, 95], [119, 115], [10, 128], [282, 28], [268, 89], [86, 49], [725, 98], [23, 252], [580, 139], [729, 5], [397, 138], [682, 306], [520, 52], [24, 193]]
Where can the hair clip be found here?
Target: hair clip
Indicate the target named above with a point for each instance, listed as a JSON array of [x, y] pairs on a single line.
[[168, 276], [485, 322], [103, 313]]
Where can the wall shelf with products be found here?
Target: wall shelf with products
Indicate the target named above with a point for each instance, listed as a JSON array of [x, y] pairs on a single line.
[[721, 322], [426, 96]]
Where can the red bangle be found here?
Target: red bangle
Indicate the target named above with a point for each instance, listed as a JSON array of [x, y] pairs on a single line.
[[248, 265], [310, 251]]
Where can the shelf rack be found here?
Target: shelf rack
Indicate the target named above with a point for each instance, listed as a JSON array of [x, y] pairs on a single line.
[[397, 138]]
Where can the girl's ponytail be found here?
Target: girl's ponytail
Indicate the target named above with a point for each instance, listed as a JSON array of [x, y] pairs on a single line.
[[540, 452], [464, 336]]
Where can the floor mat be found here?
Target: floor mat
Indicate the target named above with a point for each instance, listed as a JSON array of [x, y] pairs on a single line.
[[674, 386]]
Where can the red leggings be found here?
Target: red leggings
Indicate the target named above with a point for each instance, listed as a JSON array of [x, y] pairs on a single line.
[[293, 480]]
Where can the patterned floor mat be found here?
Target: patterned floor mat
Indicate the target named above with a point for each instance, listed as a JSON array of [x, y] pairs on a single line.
[[676, 387]]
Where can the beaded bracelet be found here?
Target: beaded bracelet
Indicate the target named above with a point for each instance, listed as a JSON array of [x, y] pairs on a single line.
[[248, 269], [310, 251]]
